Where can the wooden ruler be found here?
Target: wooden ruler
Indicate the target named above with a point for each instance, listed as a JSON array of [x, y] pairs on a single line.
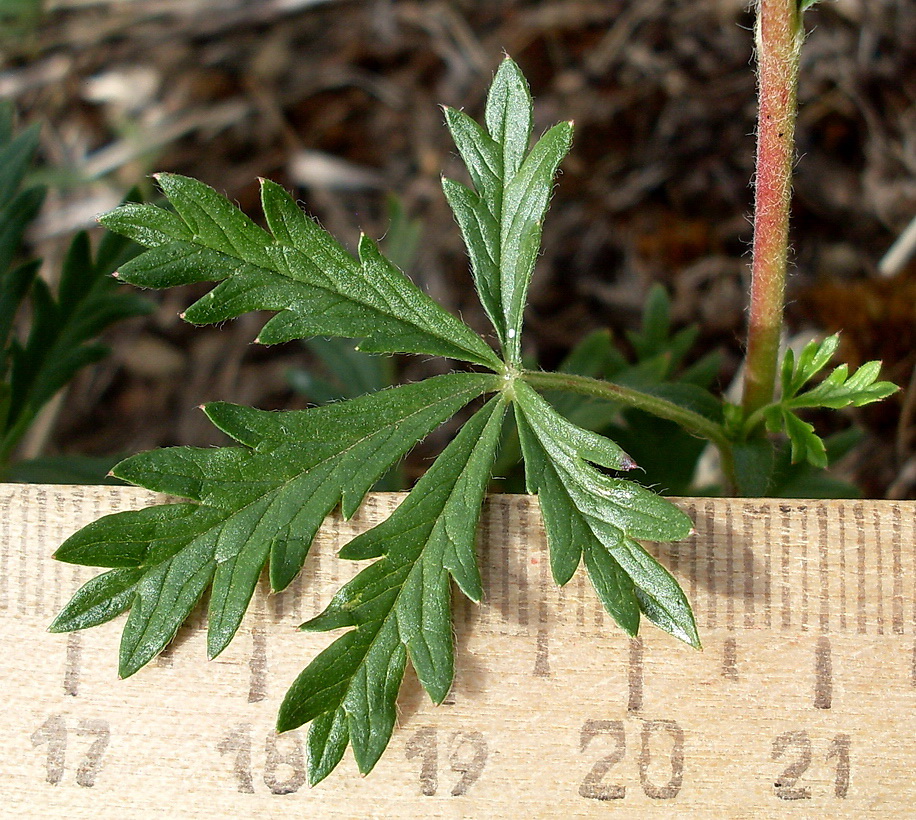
[[802, 703]]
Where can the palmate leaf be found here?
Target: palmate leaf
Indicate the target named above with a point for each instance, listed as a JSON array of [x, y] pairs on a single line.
[[501, 219], [298, 270], [264, 500], [399, 607], [586, 511]]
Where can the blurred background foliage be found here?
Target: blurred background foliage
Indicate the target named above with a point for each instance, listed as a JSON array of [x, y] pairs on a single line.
[[338, 101]]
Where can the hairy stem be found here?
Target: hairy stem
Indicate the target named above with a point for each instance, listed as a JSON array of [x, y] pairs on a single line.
[[692, 422], [779, 37]]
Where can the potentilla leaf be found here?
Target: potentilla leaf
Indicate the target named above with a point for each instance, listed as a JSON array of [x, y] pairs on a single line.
[[501, 219], [399, 606], [265, 500], [299, 270], [104, 597], [838, 390], [586, 510]]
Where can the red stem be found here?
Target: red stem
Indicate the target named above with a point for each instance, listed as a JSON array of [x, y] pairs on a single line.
[[779, 38]]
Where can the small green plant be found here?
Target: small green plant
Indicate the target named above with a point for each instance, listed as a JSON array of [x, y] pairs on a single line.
[[18, 18], [62, 327], [259, 504]]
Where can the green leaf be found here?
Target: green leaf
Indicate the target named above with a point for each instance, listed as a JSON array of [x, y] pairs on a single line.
[[398, 607], [343, 372], [586, 510], [353, 372], [654, 338], [18, 208], [402, 239], [840, 390], [814, 357], [316, 287], [508, 115], [14, 219], [806, 444], [15, 159], [836, 391], [13, 288], [265, 499], [754, 464], [64, 470], [501, 219], [104, 597], [803, 480], [60, 340]]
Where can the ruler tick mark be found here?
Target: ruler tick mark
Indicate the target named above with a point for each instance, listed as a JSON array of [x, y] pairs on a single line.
[[5, 543], [823, 569], [842, 526], [166, 658], [859, 517], [785, 586], [257, 664], [710, 566], [748, 567], [804, 565], [913, 570], [522, 514], [730, 658], [729, 570], [635, 676], [880, 579], [542, 655], [898, 572], [823, 674], [41, 532], [504, 569], [72, 668], [768, 567]]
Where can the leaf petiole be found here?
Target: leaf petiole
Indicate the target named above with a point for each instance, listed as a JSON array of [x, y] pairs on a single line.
[[691, 421]]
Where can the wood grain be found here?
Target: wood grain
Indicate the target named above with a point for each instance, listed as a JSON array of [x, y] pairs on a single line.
[[803, 700]]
